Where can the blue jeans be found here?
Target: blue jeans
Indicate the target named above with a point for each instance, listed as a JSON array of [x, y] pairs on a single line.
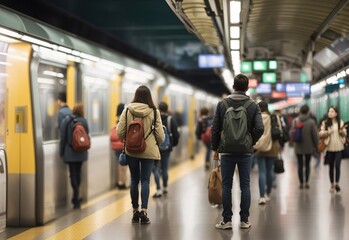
[[265, 167], [140, 169], [164, 162], [228, 164]]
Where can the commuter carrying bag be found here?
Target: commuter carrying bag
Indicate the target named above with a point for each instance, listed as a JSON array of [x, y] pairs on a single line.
[[215, 186], [166, 145], [80, 140], [276, 133], [135, 141], [235, 136], [116, 143], [206, 134], [296, 131]]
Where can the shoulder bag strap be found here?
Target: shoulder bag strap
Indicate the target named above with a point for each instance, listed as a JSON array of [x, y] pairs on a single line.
[[152, 127]]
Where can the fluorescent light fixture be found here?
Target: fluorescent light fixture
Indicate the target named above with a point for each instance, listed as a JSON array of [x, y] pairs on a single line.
[[181, 89], [112, 64], [5, 63], [235, 9], [228, 78], [46, 80], [65, 50], [200, 95], [235, 55], [37, 41], [10, 33], [136, 78], [161, 82], [234, 32], [234, 44], [53, 74], [89, 57], [7, 39], [138, 72], [76, 53]]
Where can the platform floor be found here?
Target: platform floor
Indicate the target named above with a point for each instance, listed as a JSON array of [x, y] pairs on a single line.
[[185, 214]]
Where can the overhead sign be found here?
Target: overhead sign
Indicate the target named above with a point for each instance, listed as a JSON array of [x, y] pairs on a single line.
[[211, 61]]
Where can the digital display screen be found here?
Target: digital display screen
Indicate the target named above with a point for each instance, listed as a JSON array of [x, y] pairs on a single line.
[[263, 88], [246, 67], [211, 61], [273, 65], [260, 65], [297, 89], [269, 77]]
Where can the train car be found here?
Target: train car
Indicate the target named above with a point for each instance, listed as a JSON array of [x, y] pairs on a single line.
[[36, 63]]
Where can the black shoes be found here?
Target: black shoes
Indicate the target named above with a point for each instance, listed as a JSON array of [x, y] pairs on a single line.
[[144, 218], [135, 218]]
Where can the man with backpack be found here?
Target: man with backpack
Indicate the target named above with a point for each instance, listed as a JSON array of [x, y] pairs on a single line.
[[203, 133], [237, 126], [171, 133]]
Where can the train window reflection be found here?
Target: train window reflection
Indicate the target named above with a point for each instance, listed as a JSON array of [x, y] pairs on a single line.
[[95, 101], [51, 81]]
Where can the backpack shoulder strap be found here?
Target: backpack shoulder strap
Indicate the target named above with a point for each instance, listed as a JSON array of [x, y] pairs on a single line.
[[247, 103], [225, 102], [152, 127]]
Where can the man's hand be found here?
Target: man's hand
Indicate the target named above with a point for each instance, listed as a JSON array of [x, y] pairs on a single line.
[[215, 156]]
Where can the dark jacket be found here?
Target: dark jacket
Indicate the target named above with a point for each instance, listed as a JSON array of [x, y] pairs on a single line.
[[310, 138], [65, 148], [63, 112], [254, 118], [201, 126], [172, 128]]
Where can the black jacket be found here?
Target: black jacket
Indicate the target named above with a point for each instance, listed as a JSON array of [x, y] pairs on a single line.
[[255, 124], [172, 128]]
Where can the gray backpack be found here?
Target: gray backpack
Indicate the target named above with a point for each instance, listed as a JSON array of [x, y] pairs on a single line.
[[235, 137]]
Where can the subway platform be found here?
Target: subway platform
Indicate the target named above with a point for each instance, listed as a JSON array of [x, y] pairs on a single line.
[[185, 214]]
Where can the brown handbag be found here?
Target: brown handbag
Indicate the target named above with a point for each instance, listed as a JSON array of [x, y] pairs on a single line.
[[215, 186], [321, 146]]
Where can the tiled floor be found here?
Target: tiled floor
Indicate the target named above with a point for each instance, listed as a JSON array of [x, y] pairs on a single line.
[[292, 213]]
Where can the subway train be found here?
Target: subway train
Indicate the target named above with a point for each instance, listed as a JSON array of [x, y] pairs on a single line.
[[36, 63]]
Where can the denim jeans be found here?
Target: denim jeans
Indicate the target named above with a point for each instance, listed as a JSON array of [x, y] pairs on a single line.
[[140, 169], [301, 167], [228, 164], [335, 159], [164, 162], [265, 167]]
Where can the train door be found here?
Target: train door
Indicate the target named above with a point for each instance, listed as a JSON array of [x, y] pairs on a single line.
[[3, 163]]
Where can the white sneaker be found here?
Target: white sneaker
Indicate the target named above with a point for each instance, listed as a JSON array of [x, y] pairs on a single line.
[[267, 198], [261, 201], [224, 225], [245, 225]]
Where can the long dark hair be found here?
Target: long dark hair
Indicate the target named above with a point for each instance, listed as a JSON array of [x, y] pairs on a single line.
[[143, 95], [328, 122]]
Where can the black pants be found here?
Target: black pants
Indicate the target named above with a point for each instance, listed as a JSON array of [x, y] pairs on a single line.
[[75, 179], [301, 167]]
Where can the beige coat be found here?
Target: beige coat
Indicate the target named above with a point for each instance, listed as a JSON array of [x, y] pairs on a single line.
[[141, 110]]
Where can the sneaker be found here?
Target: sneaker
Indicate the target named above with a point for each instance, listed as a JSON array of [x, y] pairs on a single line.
[[224, 225], [307, 185], [157, 195], [267, 197], [165, 191], [136, 215], [338, 189], [301, 186], [144, 217], [261, 201], [245, 225], [332, 190]]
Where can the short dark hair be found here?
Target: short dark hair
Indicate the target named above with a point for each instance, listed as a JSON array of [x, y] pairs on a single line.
[[304, 109], [163, 107], [263, 105], [240, 83], [119, 109], [143, 95], [62, 96], [204, 111]]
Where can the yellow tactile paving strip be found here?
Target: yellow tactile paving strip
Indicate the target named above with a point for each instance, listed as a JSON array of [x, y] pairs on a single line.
[[93, 222]]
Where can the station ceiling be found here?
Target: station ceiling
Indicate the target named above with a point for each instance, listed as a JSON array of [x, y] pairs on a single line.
[[291, 31]]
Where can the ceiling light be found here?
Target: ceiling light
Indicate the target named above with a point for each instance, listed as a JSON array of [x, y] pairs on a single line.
[[234, 32], [235, 9], [234, 44], [37, 41], [10, 33]]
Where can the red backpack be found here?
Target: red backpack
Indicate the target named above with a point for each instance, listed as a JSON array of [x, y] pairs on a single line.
[[206, 134], [80, 140], [116, 143], [135, 141]]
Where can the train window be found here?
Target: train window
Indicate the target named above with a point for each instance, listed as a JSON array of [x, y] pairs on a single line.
[[51, 81], [96, 103]]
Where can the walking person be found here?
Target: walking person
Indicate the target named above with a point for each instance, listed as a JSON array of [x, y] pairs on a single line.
[[202, 129], [334, 130], [306, 147], [233, 140], [163, 164], [140, 164], [72, 158], [122, 170], [266, 154]]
